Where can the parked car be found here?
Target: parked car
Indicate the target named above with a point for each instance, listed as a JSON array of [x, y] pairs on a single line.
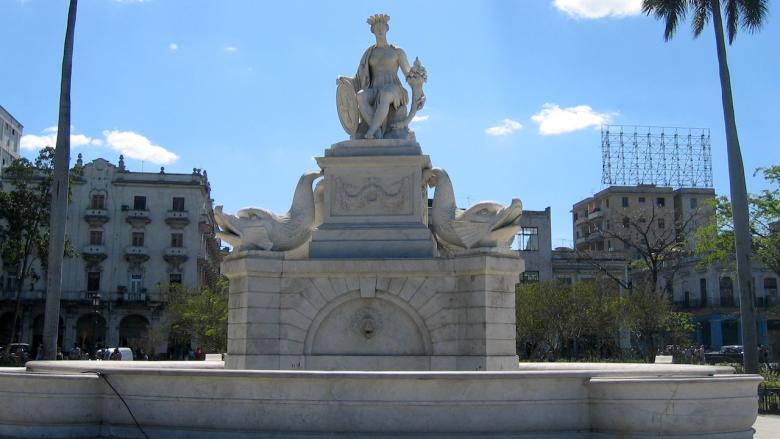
[[18, 353], [726, 354], [105, 353]]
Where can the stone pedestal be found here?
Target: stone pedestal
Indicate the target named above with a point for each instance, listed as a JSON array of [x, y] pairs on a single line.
[[372, 314], [375, 202]]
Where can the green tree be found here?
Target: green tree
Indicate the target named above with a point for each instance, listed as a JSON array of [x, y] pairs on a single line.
[[748, 15], [653, 321], [201, 315], [555, 320], [715, 241], [24, 217], [59, 195]]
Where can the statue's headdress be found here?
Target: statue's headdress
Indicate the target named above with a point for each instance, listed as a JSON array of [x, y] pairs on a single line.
[[378, 18]]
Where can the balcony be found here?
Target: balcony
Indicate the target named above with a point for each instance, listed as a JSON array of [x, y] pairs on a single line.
[[175, 255], [177, 219], [595, 235], [135, 297], [727, 302], [96, 217], [136, 254], [138, 218], [595, 214], [94, 253]]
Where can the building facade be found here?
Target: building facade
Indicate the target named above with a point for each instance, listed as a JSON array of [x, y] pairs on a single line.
[[134, 234], [707, 292], [10, 138], [534, 243], [597, 221]]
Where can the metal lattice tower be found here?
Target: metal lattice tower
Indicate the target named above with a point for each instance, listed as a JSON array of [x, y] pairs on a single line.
[[676, 157]]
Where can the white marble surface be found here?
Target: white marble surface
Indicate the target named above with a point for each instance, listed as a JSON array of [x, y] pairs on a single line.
[[177, 400], [385, 314]]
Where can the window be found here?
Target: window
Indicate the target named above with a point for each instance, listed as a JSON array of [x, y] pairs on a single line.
[[703, 291], [607, 202], [565, 280], [609, 245], [528, 239], [642, 199], [626, 221], [575, 216], [660, 201], [726, 291], [139, 202], [609, 225], [174, 278], [529, 276], [136, 283], [98, 202], [625, 201], [178, 204], [770, 286], [661, 223], [11, 281], [177, 240], [93, 281], [138, 239], [693, 203], [95, 237]]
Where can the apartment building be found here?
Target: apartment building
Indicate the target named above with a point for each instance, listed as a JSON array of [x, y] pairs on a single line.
[[10, 138], [599, 221], [135, 233], [706, 291]]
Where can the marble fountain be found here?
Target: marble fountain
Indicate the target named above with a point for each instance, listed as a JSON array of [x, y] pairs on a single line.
[[365, 312]]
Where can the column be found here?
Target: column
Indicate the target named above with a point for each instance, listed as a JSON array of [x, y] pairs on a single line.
[[715, 332]]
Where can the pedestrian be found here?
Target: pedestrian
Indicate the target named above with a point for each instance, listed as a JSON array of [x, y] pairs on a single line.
[[116, 355]]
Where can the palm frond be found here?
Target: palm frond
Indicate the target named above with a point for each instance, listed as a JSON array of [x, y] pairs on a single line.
[[701, 15], [671, 11], [732, 19], [753, 13]]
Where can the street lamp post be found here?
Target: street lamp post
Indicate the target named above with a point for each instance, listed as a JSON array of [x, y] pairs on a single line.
[[95, 306]]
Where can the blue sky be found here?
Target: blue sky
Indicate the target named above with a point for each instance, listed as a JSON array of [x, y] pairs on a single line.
[[516, 89]]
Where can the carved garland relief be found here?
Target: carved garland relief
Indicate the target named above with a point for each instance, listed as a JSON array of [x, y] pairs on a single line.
[[372, 196]]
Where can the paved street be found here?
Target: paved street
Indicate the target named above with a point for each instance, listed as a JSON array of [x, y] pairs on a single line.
[[767, 427]]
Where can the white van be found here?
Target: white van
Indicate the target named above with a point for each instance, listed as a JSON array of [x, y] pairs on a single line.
[[105, 353]]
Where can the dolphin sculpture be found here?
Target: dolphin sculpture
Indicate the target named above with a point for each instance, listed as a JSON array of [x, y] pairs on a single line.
[[254, 228]]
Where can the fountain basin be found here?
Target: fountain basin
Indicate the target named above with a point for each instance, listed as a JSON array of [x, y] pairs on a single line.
[[201, 399]]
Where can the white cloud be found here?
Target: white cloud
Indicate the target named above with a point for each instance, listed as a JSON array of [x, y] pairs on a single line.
[[231, 49], [136, 146], [506, 127], [553, 119], [32, 142], [417, 118], [593, 9], [173, 47]]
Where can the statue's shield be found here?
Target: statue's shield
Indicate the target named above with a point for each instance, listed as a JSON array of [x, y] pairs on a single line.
[[347, 106]]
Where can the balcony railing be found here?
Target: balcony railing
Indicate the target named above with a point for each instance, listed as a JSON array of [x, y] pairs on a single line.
[[175, 254], [138, 217], [136, 254], [177, 218], [727, 302], [94, 253], [135, 297], [96, 217]]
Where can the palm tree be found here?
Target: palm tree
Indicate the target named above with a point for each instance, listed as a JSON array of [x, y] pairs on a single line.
[[748, 15], [59, 197]]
